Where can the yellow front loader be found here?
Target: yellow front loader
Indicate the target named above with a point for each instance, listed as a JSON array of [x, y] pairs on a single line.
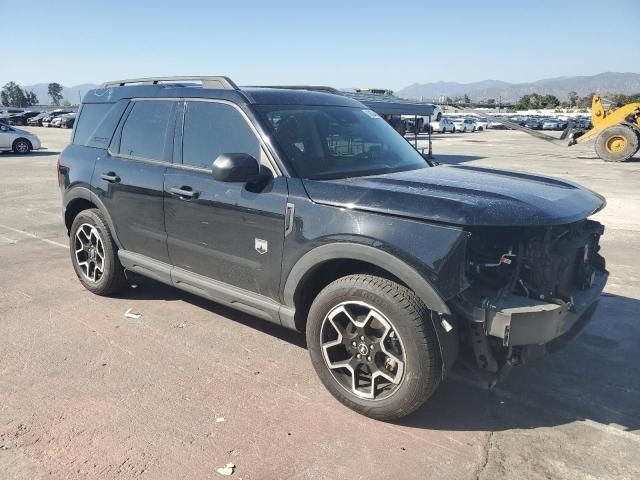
[[616, 131]]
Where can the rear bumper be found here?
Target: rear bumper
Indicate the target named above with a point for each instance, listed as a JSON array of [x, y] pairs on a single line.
[[519, 321]]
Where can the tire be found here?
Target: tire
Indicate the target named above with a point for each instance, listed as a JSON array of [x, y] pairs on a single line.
[[22, 146], [406, 350], [617, 144], [88, 227]]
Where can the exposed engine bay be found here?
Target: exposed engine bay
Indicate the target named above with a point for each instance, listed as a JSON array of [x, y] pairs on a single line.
[[528, 286]]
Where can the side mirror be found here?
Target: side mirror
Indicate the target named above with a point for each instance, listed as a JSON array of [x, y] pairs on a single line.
[[235, 167], [4, 128]]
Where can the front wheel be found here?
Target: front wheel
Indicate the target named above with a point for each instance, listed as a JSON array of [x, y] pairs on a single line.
[[372, 344], [22, 146], [617, 144]]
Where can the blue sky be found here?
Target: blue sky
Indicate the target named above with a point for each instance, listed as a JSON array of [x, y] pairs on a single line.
[[339, 43]]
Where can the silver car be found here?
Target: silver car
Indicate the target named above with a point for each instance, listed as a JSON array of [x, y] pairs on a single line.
[[17, 140]]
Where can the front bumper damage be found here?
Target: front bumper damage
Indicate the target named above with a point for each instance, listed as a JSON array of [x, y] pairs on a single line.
[[518, 320], [532, 299]]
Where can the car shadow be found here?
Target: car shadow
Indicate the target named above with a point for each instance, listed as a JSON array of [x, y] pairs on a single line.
[[446, 159], [148, 289], [34, 153], [595, 377]]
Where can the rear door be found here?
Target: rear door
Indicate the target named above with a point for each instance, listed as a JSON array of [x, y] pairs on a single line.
[[129, 179], [224, 231]]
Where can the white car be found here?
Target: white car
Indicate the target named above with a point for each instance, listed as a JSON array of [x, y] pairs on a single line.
[[443, 126], [482, 124], [17, 140], [56, 121], [465, 125]]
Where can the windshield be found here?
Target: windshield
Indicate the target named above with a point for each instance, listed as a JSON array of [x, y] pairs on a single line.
[[324, 142]]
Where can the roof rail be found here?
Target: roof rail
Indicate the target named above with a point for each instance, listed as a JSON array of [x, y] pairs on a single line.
[[313, 88], [218, 82]]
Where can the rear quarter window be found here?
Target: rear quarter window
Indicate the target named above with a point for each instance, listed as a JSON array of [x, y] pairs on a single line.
[[91, 115]]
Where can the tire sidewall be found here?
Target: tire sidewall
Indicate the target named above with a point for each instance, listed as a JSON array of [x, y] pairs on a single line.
[[630, 134], [417, 370], [18, 142], [111, 264]]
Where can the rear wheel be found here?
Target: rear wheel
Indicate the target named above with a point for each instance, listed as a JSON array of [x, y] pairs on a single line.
[[617, 144], [22, 146], [94, 254], [372, 344]]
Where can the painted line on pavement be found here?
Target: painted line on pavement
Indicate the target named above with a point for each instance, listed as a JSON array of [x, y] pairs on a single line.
[[32, 235]]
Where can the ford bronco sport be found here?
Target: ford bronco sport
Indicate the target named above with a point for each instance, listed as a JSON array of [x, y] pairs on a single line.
[[308, 210]]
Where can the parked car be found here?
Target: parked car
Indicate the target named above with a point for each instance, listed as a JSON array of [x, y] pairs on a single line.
[[11, 110], [551, 124], [481, 123], [47, 119], [305, 209], [17, 140], [55, 122], [21, 118], [443, 126], [464, 125], [497, 125], [67, 120], [532, 123]]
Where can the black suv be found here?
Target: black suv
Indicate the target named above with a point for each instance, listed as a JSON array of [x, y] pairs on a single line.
[[308, 210]]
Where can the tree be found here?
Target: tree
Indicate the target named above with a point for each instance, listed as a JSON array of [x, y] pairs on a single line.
[[573, 98], [12, 95], [535, 101], [550, 101], [55, 92], [66, 103], [32, 99]]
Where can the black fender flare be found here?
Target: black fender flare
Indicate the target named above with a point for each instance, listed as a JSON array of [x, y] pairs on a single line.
[[365, 253], [84, 193], [448, 338]]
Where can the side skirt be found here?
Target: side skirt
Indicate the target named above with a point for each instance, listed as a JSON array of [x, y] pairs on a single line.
[[220, 292]]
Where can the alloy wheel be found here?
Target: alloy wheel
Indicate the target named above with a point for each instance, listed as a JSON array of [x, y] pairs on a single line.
[[362, 349], [89, 252]]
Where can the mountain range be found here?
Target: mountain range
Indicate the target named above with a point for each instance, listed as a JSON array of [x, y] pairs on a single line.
[[607, 82]]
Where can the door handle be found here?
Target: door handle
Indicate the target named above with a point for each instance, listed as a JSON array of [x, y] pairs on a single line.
[[110, 177], [184, 191]]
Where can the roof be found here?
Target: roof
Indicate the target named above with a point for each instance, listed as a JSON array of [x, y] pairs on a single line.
[[220, 87]]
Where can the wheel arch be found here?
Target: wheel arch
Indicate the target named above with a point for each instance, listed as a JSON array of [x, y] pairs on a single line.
[[21, 138], [81, 198], [326, 263]]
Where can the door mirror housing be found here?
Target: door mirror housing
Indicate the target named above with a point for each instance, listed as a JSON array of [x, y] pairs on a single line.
[[235, 167]]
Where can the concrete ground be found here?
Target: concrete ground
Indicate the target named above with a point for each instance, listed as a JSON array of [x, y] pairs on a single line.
[[191, 385]]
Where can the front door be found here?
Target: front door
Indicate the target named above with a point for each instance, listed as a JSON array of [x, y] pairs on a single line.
[[224, 231], [130, 179]]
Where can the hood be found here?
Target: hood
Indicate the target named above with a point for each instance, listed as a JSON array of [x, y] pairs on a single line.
[[26, 133], [462, 195]]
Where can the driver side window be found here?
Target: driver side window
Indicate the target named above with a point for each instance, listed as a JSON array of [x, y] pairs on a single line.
[[211, 129]]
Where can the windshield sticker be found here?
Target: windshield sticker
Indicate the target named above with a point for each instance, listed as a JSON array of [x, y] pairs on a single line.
[[371, 113]]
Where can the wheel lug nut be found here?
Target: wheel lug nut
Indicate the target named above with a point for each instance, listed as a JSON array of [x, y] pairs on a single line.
[[361, 337], [353, 343], [358, 356], [368, 359], [371, 347]]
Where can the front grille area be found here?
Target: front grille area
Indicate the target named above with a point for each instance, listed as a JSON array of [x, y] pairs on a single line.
[[544, 263]]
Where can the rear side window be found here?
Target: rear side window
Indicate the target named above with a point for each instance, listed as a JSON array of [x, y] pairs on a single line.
[[144, 133], [90, 117], [211, 129]]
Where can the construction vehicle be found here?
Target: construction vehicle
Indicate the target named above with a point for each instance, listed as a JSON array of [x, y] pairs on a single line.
[[616, 130]]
